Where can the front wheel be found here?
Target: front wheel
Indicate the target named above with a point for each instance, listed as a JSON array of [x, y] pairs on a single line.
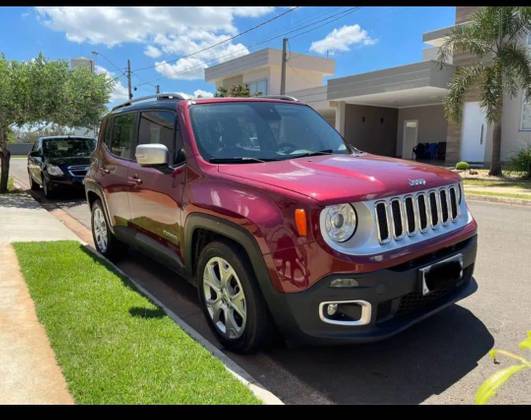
[[48, 190], [231, 301], [33, 185], [104, 241]]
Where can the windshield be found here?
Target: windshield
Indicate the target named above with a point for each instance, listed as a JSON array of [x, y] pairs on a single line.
[[68, 147], [262, 131]]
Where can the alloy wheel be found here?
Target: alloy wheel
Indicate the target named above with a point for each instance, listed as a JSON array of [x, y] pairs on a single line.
[[100, 229], [224, 298]]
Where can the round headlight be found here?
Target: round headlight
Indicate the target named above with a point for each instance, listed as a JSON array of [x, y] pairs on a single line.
[[340, 222]]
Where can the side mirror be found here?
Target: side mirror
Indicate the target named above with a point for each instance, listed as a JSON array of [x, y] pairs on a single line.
[[35, 153], [151, 154]]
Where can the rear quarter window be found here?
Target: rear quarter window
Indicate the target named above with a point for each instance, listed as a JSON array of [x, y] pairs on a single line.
[[122, 136]]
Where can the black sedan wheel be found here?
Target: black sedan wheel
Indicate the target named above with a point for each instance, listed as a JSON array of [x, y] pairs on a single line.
[[33, 185]]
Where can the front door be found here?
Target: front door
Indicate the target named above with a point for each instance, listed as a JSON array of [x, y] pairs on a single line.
[[156, 196], [473, 133], [410, 138]]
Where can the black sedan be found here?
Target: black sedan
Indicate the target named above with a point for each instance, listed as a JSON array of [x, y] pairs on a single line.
[[59, 161]]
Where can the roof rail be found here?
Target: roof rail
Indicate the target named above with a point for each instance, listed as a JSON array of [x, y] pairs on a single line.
[[281, 97], [157, 97]]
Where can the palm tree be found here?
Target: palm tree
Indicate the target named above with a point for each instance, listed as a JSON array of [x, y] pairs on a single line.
[[494, 35]]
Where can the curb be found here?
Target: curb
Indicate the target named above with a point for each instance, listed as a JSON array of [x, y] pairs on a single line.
[[236, 370], [232, 367], [511, 201]]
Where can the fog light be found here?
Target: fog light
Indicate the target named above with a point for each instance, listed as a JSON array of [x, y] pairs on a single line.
[[331, 309], [344, 283]]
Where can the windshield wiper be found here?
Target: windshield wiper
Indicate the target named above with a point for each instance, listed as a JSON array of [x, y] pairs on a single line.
[[243, 159], [316, 153]]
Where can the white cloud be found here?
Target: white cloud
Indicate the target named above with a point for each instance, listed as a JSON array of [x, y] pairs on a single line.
[[342, 39], [152, 51], [190, 68], [197, 93], [203, 93], [119, 92], [115, 25], [169, 31]]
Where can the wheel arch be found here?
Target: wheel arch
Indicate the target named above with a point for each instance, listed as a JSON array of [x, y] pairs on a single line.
[[221, 228], [93, 193]]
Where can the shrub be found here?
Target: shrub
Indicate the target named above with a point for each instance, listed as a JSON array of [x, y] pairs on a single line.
[[462, 166], [522, 161]]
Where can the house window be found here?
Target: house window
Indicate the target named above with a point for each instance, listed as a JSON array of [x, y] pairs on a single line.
[[526, 114], [258, 87]]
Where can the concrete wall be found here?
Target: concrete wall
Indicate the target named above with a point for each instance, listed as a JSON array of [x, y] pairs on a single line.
[[371, 129], [228, 83], [513, 137], [464, 13], [19, 148], [432, 125]]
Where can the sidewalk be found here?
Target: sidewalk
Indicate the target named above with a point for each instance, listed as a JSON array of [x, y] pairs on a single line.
[[29, 373]]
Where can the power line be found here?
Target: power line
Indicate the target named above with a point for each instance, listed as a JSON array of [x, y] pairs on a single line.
[[321, 22], [226, 40], [353, 9]]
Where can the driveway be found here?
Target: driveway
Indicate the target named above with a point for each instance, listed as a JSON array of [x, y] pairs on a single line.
[[439, 361]]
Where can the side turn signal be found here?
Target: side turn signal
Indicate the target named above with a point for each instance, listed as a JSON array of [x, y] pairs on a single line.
[[300, 222]]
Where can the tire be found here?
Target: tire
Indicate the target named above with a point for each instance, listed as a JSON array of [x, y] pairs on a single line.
[[241, 334], [47, 188], [104, 240], [33, 185]]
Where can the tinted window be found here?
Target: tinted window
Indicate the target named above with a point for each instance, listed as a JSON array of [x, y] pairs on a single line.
[[262, 130], [160, 127], [68, 147], [122, 139]]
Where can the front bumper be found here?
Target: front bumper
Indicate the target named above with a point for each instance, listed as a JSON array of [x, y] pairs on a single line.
[[68, 181], [394, 296]]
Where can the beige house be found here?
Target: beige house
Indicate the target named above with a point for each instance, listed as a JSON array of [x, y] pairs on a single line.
[[261, 71], [389, 111]]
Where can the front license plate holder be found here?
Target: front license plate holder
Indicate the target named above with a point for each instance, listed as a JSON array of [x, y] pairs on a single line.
[[441, 275]]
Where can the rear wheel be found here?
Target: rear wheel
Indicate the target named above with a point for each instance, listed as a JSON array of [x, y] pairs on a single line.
[[231, 301], [104, 240]]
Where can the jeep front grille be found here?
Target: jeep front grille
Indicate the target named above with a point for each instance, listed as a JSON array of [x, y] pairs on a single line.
[[411, 214]]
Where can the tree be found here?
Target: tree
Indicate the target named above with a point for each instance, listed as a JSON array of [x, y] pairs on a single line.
[[47, 92], [237, 90], [494, 36]]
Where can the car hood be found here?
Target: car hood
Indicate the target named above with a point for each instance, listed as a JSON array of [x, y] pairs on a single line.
[[67, 161], [339, 178]]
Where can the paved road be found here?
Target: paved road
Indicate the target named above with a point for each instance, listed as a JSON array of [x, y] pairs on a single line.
[[440, 361]]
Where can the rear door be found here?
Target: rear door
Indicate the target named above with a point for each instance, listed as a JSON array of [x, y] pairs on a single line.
[[156, 194], [120, 140]]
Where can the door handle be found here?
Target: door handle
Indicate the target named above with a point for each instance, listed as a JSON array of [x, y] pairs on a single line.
[[135, 179]]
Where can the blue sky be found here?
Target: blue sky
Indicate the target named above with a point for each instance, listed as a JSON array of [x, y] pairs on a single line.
[[368, 38]]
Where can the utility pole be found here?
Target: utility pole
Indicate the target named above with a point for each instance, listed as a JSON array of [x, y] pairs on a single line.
[[283, 69], [129, 79], [158, 89]]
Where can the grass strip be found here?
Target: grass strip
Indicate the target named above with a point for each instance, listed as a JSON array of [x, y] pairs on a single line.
[[113, 345]]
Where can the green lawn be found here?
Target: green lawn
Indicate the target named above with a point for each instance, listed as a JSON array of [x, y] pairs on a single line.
[[113, 344]]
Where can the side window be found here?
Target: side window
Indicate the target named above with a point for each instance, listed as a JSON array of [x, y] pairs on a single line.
[[159, 127], [122, 139]]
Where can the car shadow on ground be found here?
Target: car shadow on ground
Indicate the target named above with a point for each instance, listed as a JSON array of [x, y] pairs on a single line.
[[422, 361], [63, 198]]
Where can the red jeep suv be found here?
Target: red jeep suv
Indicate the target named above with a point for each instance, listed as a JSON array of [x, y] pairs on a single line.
[[279, 223]]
